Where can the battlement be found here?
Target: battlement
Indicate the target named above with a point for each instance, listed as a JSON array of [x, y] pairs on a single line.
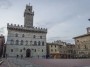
[[21, 27]]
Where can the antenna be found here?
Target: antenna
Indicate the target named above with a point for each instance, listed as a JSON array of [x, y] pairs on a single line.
[[29, 4]]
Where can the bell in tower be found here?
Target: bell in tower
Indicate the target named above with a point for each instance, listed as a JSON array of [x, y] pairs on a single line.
[[28, 17]]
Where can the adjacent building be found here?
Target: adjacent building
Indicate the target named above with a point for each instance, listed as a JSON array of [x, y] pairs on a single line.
[[27, 40], [83, 45], [60, 49], [2, 45]]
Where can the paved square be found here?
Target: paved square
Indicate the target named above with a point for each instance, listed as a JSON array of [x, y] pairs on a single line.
[[27, 62]]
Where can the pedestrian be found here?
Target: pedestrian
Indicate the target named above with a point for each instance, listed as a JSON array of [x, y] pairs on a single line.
[[17, 56]]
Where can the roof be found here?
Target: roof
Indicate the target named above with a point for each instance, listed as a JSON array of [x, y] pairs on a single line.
[[81, 36]]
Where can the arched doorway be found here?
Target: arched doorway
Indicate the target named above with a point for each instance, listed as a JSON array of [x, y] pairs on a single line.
[[28, 53]]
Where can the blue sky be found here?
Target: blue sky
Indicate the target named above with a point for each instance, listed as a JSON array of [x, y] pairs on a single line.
[[64, 19]]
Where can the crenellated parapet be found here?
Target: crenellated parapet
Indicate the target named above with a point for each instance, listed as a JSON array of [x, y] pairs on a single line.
[[21, 27]]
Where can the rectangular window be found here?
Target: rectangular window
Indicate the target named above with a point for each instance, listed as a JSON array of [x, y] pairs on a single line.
[[21, 50], [51, 50], [55, 50], [35, 50], [11, 50], [55, 46], [42, 50]]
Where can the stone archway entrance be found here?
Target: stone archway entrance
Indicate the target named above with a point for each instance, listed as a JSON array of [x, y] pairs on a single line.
[[28, 53]]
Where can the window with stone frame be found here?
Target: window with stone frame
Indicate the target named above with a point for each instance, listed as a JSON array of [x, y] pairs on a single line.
[[34, 36], [23, 35], [77, 40], [43, 43], [78, 46], [20, 50], [17, 42], [12, 42], [26, 42], [51, 50], [40, 37], [35, 50], [55, 46], [55, 50], [85, 46], [35, 43], [16, 35], [30, 42], [11, 50], [22, 42], [39, 43], [42, 50]]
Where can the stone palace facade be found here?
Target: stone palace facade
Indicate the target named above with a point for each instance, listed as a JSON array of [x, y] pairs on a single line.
[[27, 40]]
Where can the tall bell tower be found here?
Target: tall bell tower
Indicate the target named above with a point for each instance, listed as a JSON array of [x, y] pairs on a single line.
[[28, 17]]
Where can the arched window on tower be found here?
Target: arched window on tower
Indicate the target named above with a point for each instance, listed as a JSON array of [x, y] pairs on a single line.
[[39, 43], [43, 43], [22, 42], [12, 42], [17, 42]]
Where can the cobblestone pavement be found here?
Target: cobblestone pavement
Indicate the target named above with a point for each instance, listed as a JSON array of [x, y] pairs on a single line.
[[27, 62], [61, 62], [13, 62]]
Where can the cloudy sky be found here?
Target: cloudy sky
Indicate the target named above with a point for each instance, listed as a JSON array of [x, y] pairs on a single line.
[[64, 19]]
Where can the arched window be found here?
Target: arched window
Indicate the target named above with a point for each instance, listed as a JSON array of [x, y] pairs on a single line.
[[35, 43], [85, 47], [16, 35], [23, 35], [30, 42], [21, 42], [42, 50], [43, 43], [26, 42], [12, 42], [39, 43], [34, 36], [40, 37], [17, 42]]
